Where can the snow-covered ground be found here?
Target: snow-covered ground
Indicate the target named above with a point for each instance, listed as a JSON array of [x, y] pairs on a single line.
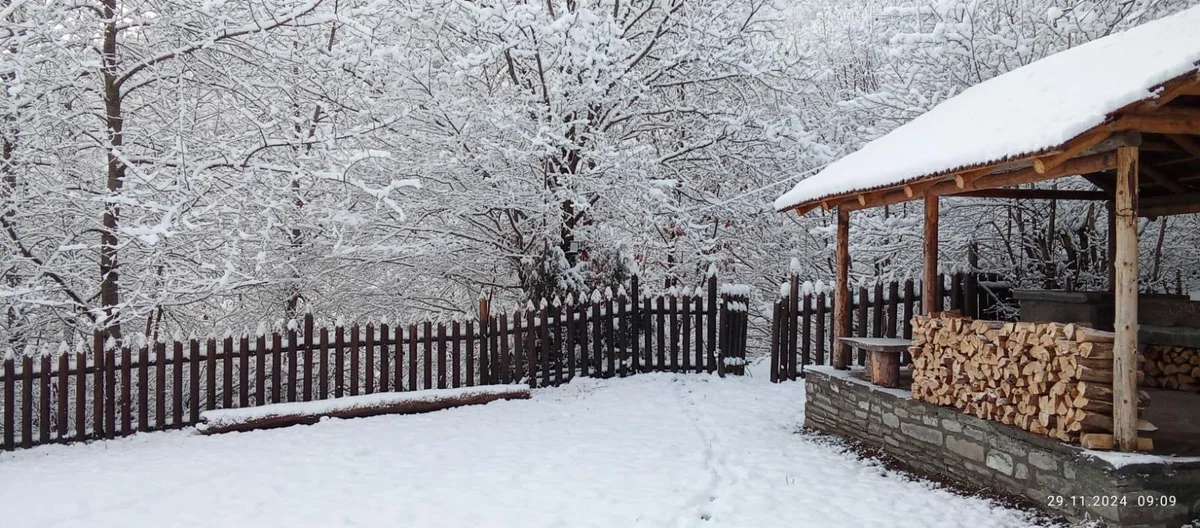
[[650, 450]]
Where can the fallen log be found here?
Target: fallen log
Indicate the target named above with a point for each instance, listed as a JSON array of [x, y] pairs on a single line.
[[308, 413]]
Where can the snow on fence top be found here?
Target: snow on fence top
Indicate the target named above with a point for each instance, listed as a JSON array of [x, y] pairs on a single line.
[[1029, 110]]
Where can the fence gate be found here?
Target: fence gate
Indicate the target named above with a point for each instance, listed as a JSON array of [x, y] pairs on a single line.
[[802, 320]]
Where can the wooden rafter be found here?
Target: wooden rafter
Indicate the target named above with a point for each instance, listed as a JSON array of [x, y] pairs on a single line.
[[1035, 194], [1161, 178], [1164, 121], [1187, 143], [1074, 148], [1188, 84]]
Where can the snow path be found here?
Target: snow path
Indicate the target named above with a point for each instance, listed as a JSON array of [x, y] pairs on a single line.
[[650, 450]]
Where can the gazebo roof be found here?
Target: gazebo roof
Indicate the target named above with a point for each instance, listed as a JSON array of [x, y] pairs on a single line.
[[1053, 109]]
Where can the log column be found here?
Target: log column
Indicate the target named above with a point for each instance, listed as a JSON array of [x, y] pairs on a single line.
[[929, 289], [1125, 290], [841, 299]]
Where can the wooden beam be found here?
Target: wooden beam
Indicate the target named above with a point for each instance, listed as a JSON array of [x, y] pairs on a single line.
[[802, 210], [930, 256], [1074, 148], [1161, 178], [841, 298], [1125, 319], [1168, 210], [1186, 143], [1164, 121], [1187, 84], [1178, 203], [1034, 194]]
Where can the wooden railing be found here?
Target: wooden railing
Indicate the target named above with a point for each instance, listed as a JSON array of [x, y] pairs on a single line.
[[802, 320], [132, 387]]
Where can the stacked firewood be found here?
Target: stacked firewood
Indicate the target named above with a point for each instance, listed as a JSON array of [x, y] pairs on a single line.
[[1172, 367], [1047, 378]]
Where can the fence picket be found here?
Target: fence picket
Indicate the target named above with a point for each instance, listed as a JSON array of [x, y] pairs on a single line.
[[143, 381], [210, 373], [568, 347], [621, 337], [276, 367], [26, 401], [583, 339], [635, 322], [597, 324], [80, 396], [339, 361], [398, 358], [531, 349], [504, 350], [556, 344], [427, 357], [698, 310], [355, 363], [227, 374], [647, 331], [369, 367], [412, 357], [309, 343], [776, 319], [323, 367], [892, 315], [806, 313], [712, 323], [10, 396], [674, 332], [470, 353], [44, 400], [260, 369], [544, 350], [455, 355], [686, 335], [127, 388], [385, 360], [110, 393], [177, 384], [293, 371], [820, 338], [661, 333]]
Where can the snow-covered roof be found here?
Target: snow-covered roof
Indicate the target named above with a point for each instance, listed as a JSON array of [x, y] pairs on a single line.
[[1029, 110]]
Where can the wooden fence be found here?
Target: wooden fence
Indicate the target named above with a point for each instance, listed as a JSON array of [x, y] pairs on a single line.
[[128, 389], [802, 323]]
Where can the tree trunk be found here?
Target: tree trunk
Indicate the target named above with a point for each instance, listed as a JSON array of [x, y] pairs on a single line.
[[110, 295]]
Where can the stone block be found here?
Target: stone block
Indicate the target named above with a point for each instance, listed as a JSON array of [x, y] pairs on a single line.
[[924, 434], [891, 420], [952, 426], [965, 448], [1021, 472], [1043, 460], [1000, 461]]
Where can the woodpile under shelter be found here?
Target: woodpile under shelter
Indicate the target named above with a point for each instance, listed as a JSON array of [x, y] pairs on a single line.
[[1122, 112]]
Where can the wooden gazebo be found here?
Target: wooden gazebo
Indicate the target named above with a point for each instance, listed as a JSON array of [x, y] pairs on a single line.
[[1122, 112]]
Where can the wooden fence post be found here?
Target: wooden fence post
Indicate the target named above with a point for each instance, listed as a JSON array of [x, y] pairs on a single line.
[[635, 319], [805, 336], [775, 320], [712, 321], [820, 338]]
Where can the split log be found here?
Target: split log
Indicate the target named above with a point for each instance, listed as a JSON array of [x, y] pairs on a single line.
[[1104, 441], [307, 413]]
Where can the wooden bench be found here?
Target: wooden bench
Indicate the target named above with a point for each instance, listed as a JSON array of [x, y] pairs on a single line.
[[885, 357]]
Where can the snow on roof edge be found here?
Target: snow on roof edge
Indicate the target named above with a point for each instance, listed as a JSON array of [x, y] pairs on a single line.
[[1022, 113]]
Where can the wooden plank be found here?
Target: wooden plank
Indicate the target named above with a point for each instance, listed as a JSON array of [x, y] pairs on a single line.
[[227, 373], [793, 336], [930, 254], [712, 323], [260, 369], [495, 367], [893, 300], [647, 325], [1185, 121], [143, 382], [427, 353], [1074, 148], [44, 400], [597, 341], [906, 327], [863, 303], [293, 371], [323, 366], [685, 334], [455, 354], [674, 332], [556, 345], [369, 366], [505, 376], [441, 355], [110, 393], [355, 364], [484, 336], [519, 351], [956, 292], [939, 298], [98, 356], [877, 311], [26, 401], [819, 339], [841, 296], [582, 335], [568, 347], [635, 320], [127, 388], [339, 361], [776, 316], [621, 337], [210, 374], [1034, 194], [806, 313], [661, 332], [80, 396], [398, 358], [10, 397], [310, 343], [698, 311], [531, 349], [412, 357], [63, 395], [385, 358], [177, 384], [722, 336], [544, 349], [276, 366], [1125, 360], [470, 353]]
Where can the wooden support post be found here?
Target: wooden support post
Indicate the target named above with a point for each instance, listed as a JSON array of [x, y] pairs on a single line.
[[1112, 244], [929, 280], [841, 307], [1125, 391]]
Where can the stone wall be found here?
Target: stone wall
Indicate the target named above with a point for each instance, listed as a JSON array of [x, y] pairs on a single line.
[[1135, 491]]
